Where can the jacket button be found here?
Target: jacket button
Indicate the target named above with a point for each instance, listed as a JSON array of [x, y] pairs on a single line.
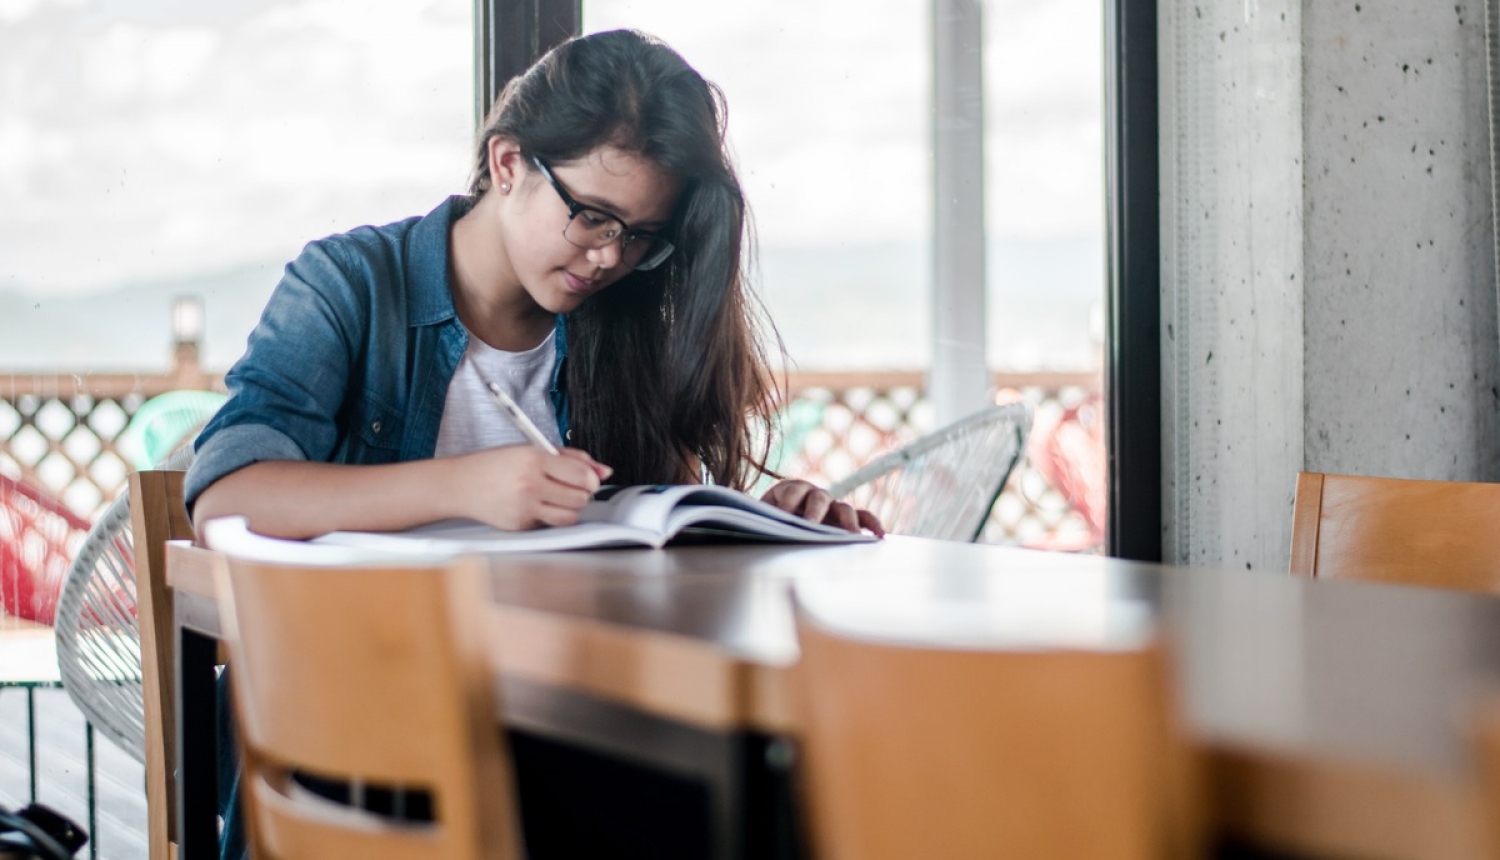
[[375, 426], [570, 435]]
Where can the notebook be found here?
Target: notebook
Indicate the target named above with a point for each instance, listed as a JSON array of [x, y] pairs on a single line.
[[649, 515]]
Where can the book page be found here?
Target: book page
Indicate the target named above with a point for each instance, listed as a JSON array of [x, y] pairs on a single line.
[[641, 515], [668, 509], [456, 537], [642, 506]]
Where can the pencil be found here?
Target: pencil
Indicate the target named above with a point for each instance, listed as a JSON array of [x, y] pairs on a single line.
[[518, 418]]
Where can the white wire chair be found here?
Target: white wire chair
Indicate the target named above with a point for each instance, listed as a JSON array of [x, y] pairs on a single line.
[[943, 484], [98, 644], [98, 639]]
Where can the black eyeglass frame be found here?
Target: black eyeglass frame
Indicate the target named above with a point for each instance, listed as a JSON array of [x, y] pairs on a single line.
[[628, 234]]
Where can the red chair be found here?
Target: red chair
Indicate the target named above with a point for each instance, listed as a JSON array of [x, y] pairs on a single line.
[[38, 536], [1069, 452]]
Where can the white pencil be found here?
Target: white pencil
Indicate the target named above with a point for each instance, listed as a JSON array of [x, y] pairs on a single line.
[[517, 417]]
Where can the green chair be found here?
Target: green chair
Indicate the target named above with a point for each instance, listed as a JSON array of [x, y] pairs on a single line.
[[164, 422], [796, 422]]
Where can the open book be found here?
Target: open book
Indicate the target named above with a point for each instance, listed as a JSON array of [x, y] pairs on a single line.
[[643, 515]]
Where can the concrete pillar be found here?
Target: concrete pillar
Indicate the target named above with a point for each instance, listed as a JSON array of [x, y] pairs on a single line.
[[1232, 243], [1400, 306], [1329, 299], [959, 380]]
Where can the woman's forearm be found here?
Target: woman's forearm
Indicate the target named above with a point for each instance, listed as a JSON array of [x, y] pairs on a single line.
[[298, 499]]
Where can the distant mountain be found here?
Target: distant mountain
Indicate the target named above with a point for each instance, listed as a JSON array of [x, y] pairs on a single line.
[[837, 307], [130, 327], [846, 307]]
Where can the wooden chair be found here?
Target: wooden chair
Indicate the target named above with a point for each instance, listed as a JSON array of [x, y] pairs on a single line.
[[373, 676], [925, 751], [1435, 533], [1485, 746], [157, 515]]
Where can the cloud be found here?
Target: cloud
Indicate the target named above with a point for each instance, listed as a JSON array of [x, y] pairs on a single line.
[[14, 11], [152, 141], [174, 58], [270, 123], [830, 117]]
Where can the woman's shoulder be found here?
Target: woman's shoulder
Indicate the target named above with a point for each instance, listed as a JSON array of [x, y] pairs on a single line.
[[395, 240], [375, 259]]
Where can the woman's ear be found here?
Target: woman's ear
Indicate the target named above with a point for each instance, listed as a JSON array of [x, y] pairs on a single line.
[[506, 163]]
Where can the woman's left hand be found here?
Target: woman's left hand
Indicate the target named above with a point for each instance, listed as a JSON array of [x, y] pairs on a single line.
[[815, 503]]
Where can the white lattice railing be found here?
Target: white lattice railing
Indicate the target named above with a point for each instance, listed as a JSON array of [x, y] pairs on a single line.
[[61, 431]]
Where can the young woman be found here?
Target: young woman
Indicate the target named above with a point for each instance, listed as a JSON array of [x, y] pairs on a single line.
[[594, 271]]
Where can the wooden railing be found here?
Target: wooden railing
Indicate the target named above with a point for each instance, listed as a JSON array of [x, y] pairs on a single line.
[[60, 431]]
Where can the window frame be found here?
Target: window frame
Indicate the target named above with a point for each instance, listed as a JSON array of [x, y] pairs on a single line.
[[1132, 368], [511, 34]]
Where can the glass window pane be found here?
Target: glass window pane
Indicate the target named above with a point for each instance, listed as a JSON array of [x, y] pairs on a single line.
[[830, 117], [184, 148], [827, 105], [189, 147], [1044, 182], [1044, 187]]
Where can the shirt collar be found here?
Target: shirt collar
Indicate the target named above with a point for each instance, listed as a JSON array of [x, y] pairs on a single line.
[[429, 292]]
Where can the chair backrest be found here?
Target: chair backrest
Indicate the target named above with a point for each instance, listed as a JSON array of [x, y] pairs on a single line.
[[157, 515], [1434, 533], [98, 638], [1485, 747], [164, 423], [370, 675], [943, 484], [924, 751], [38, 536]]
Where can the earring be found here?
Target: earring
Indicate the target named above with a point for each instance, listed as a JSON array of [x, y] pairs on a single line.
[[505, 188]]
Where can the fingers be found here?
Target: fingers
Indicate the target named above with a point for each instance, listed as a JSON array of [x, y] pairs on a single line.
[[800, 498], [601, 470], [555, 515], [808, 501], [572, 479], [788, 495], [574, 468], [843, 516], [817, 505], [524, 487]]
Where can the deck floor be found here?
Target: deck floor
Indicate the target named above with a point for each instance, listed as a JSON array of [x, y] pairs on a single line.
[[62, 778]]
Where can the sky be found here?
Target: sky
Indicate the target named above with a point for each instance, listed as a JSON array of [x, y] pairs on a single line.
[[155, 138], [154, 147], [829, 109], [159, 138]]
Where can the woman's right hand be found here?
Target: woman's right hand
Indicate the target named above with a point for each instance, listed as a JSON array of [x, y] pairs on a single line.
[[516, 487]]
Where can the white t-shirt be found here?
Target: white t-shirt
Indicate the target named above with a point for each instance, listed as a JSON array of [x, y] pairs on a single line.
[[473, 421]]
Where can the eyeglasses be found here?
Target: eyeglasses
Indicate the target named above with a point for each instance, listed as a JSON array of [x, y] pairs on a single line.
[[592, 229]]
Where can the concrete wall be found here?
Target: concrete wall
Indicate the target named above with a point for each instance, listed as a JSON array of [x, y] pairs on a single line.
[[1400, 308], [1232, 277], [1329, 298]]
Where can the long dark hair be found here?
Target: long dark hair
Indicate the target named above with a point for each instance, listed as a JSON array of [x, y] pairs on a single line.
[[665, 368]]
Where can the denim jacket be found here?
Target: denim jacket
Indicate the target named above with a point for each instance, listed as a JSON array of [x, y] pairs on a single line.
[[351, 360]]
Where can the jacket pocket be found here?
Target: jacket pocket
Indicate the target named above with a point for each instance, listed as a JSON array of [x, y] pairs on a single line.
[[377, 436]]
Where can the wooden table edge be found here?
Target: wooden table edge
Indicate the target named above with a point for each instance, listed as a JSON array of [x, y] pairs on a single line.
[[668, 675]]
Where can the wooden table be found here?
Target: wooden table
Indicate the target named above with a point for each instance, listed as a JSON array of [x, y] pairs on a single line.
[[1332, 715]]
